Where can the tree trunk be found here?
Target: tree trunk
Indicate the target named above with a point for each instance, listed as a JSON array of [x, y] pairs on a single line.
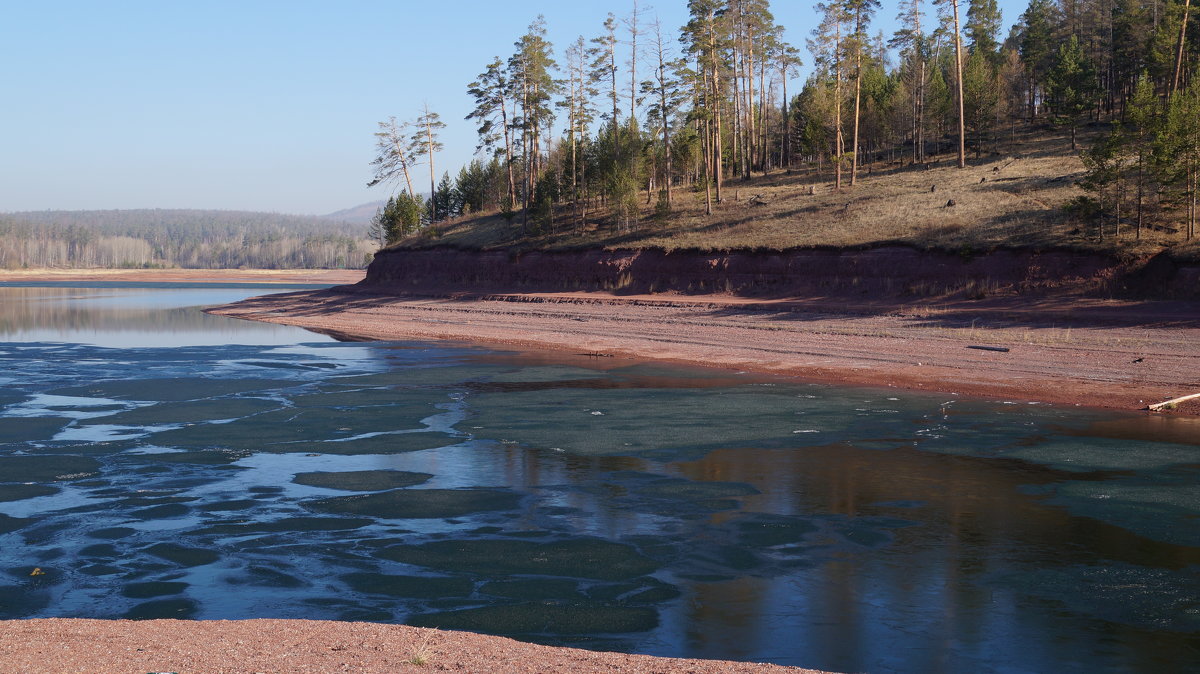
[[432, 186], [958, 68], [785, 152], [508, 153], [857, 99], [716, 81], [1187, 5]]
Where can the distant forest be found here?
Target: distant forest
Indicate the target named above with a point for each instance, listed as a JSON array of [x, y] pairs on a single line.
[[193, 239]]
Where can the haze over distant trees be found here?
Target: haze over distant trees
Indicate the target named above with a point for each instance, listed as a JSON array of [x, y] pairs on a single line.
[[646, 112], [195, 239]]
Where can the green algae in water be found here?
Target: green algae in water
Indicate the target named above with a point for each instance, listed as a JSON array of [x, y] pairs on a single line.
[[47, 468], [362, 480], [577, 558], [538, 618], [186, 412], [175, 389], [417, 587], [419, 503], [20, 492]]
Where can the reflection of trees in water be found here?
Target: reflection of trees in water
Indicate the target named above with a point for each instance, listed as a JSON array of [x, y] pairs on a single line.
[[67, 309]]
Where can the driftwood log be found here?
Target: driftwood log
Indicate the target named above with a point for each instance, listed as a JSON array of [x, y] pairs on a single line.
[[1158, 407]]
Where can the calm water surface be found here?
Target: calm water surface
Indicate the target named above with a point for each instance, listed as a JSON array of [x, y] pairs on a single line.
[[159, 462]]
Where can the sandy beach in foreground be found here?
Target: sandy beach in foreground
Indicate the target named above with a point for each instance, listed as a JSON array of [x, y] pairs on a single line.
[[54, 646], [1093, 353]]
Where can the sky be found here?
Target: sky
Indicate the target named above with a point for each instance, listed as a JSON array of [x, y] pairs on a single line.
[[261, 105]]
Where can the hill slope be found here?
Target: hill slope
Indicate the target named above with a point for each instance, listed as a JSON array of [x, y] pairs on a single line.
[[1011, 199]]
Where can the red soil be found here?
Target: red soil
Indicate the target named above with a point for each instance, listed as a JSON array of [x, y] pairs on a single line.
[[1097, 353]]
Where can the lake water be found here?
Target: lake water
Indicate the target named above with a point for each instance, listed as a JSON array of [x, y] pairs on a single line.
[[159, 462]]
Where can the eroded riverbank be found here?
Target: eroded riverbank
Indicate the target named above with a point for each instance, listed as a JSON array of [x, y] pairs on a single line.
[[1096, 353]]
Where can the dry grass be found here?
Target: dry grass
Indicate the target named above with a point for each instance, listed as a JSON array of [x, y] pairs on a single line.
[[1010, 198]]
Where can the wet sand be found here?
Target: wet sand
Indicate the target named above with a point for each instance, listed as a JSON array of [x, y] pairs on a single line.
[[1077, 352], [246, 646]]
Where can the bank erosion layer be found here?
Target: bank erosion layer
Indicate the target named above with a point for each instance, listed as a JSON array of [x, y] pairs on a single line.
[[1062, 327]]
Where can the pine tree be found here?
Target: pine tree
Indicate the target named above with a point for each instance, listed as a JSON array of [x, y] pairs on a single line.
[[1071, 85], [860, 13], [425, 143], [981, 96], [828, 49], [705, 39], [492, 92], [394, 155], [529, 71], [982, 28], [914, 52], [1143, 115], [1036, 45]]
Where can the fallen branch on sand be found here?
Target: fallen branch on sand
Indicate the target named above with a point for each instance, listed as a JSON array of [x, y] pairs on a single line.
[[1167, 404]]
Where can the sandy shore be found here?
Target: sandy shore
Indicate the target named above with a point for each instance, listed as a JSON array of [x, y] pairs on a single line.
[[332, 276], [245, 646], [1095, 353]]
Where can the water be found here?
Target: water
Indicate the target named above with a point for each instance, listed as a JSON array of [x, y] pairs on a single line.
[[159, 462]]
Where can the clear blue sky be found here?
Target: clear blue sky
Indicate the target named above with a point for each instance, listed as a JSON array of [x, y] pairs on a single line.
[[257, 104]]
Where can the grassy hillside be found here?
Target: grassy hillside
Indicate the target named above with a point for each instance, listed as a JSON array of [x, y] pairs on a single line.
[[1012, 198]]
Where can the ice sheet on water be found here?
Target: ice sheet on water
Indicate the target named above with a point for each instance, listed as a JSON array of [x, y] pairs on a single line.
[[1162, 507], [1084, 454], [1121, 593], [671, 423]]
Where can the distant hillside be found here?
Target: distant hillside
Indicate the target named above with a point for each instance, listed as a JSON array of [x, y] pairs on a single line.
[[358, 215], [200, 239]]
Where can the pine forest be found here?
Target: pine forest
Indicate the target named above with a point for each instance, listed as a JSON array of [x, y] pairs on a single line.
[[642, 131]]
